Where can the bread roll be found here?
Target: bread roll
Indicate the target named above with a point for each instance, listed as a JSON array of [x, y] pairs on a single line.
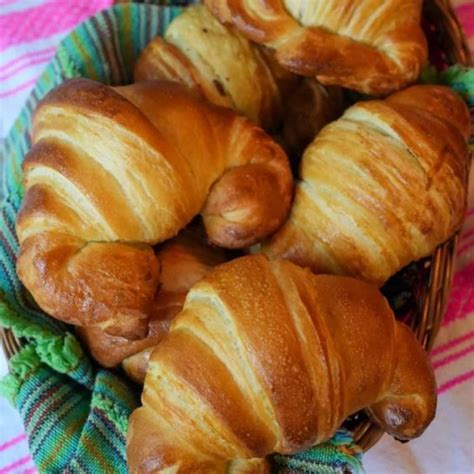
[[219, 64], [113, 171], [226, 69], [267, 357], [184, 260], [372, 46], [380, 187]]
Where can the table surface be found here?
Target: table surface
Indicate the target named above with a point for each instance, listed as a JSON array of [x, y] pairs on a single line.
[[446, 446]]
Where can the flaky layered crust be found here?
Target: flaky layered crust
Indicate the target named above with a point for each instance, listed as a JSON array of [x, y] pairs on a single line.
[[267, 357], [221, 65], [367, 45], [113, 171], [183, 260], [380, 187], [226, 69]]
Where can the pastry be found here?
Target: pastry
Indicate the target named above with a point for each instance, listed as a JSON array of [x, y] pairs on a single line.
[[184, 260], [267, 357], [227, 69], [113, 171], [381, 187], [372, 46]]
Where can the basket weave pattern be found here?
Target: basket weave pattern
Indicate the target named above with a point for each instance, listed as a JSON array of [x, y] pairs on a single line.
[[433, 297]]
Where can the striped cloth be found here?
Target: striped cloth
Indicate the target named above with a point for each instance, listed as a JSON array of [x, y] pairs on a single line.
[[75, 414], [29, 33]]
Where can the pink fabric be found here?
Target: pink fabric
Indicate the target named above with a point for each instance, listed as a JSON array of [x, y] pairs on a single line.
[[29, 33], [12, 442], [24, 61], [456, 381], [466, 13], [452, 358], [452, 343], [26, 85], [461, 302], [51, 17], [14, 466], [4, 3], [31, 60]]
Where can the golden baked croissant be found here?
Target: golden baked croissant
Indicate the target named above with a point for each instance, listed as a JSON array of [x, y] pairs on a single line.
[[267, 357], [372, 46], [184, 260], [228, 70], [380, 187], [219, 64], [115, 170]]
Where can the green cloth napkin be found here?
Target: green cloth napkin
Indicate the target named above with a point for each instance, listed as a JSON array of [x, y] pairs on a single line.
[[75, 413]]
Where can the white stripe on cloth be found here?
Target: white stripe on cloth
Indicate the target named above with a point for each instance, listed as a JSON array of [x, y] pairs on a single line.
[[17, 51], [20, 67], [10, 6], [14, 453], [455, 362]]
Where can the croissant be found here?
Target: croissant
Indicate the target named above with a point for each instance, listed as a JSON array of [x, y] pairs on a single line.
[[113, 171], [183, 260], [380, 187], [267, 357], [372, 46], [219, 64], [228, 70]]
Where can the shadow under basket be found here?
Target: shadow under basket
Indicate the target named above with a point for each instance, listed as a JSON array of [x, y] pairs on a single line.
[[418, 293]]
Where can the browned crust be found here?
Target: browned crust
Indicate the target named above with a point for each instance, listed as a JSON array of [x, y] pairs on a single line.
[[109, 285], [267, 357], [406, 417], [385, 60], [380, 187], [183, 260], [112, 168], [199, 52], [163, 61]]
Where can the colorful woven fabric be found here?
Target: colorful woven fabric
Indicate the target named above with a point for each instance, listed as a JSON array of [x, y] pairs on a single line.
[[76, 415], [339, 453]]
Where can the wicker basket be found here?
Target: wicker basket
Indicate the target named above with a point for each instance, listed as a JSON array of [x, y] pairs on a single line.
[[445, 37]]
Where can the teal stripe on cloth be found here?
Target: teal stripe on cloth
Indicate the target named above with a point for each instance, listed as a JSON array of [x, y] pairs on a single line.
[[339, 454], [72, 428], [76, 414]]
